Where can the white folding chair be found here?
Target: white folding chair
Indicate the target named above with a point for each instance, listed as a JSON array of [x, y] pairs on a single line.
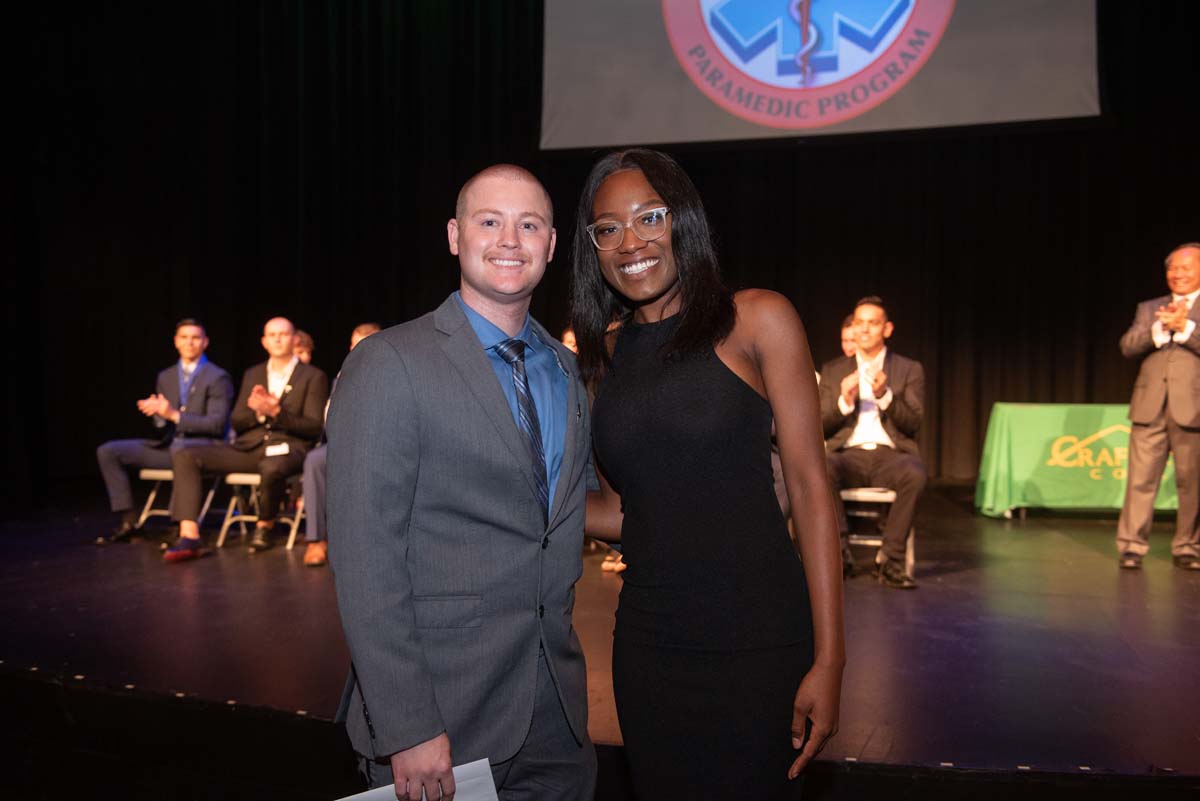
[[243, 510], [158, 477], [873, 503]]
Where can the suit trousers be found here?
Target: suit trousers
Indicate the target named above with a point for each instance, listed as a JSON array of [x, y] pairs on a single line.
[[884, 467], [314, 495], [551, 765], [1149, 445], [191, 464], [118, 456]]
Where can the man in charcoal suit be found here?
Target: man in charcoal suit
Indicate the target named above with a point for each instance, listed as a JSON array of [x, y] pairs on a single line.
[[1165, 413], [190, 405], [278, 416], [871, 408], [458, 456]]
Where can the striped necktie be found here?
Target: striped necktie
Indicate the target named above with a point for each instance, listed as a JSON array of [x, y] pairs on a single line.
[[513, 352]]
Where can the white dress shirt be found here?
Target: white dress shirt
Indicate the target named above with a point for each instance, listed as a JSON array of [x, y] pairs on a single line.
[[278, 380], [868, 429]]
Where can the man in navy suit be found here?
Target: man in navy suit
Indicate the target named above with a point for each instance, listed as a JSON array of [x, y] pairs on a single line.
[[190, 405], [871, 407]]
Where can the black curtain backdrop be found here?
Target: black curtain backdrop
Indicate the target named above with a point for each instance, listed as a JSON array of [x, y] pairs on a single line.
[[232, 161]]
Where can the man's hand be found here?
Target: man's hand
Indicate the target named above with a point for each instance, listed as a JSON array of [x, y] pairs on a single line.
[[424, 768], [158, 404], [263, 402], [879, 384], [818, 700], [1173, 316], [850, 388]]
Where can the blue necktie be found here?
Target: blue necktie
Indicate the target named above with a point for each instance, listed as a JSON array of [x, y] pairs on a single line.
[[513, 352]]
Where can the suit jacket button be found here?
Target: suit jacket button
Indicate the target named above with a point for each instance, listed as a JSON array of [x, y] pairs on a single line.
[[541, 611]]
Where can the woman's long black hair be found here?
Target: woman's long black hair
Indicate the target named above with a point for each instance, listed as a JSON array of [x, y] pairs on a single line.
[[706, 312]]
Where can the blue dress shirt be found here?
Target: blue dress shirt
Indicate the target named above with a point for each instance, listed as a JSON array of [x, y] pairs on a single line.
[[547, 384]]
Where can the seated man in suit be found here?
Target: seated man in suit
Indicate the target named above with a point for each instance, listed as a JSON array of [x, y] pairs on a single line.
[[191, 403], [316, 552], [871, 408], [278, 416]]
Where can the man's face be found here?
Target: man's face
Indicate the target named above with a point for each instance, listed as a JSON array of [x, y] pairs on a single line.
[[1183, 271], [504, 240], [849, 342], [871, 328], [191, 342], [279, 338]]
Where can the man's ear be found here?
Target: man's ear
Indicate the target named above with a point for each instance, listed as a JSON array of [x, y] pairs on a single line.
[[452, 235], [887, 329], [553, 241]]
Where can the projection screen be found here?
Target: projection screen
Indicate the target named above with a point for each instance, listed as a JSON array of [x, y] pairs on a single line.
[[624, 72]]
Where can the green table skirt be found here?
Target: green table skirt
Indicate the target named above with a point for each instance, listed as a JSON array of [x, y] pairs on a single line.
[[1059, 456]]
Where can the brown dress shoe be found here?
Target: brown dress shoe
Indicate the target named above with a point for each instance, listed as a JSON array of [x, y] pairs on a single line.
[[316, 554]]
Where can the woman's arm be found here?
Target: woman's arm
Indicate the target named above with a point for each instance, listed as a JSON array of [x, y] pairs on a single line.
[[773, 331], [604, 513]]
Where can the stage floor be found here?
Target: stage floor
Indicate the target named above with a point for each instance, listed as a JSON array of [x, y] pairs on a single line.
[[1025, 648]]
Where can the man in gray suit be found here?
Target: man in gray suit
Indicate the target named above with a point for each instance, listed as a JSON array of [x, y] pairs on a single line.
[[190, 404], [1165, 412], [458, 464], [872, 404]]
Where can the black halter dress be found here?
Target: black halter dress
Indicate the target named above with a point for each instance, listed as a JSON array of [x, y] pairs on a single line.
[[714, 627]]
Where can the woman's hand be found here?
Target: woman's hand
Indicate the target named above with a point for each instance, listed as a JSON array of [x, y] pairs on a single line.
[[817, 700]]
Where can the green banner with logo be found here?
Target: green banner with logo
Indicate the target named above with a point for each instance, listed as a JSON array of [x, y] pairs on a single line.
[[1059, 456]]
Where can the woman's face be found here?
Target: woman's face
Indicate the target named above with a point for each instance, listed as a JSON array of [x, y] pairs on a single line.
[[643, 272]]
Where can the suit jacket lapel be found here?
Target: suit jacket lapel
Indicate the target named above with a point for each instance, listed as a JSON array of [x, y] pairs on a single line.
[[171, 387], [465, 353]]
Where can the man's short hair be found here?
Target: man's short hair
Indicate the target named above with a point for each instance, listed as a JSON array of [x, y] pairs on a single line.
[[502, 171], [872, 300], [190, 321], [304, 340], [848, 322], [366, 329], [1175, 250]]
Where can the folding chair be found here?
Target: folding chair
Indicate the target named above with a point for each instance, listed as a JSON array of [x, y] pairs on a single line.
[[873, 503], [243, 510], [158, 477]]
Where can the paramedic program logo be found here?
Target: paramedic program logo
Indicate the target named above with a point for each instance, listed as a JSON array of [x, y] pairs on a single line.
[[803, 63]]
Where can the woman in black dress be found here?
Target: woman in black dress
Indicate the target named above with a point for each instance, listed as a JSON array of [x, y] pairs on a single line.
[[728, 651]]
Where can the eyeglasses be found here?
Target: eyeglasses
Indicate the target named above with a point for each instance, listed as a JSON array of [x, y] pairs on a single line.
[[646, 226]]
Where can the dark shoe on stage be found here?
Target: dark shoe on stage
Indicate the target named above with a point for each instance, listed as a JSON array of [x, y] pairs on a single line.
[[122, 533], [1131, 560], [891, 574], [261, 541], [1186, 562], [185, 549]]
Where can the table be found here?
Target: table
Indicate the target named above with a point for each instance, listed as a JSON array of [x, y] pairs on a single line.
[[1059, 456]]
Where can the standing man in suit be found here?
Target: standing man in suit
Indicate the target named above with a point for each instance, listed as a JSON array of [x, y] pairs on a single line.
[[278, 416], [190, 405], [871, 408], [1165, 412], [458, 456]]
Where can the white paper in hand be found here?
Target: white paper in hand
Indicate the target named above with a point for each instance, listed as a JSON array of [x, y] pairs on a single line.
[[472, 781]]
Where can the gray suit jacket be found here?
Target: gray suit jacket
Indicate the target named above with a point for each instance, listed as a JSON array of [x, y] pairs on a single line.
[[1170, 374], [206, 408], [447, 578], [901, 420]]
